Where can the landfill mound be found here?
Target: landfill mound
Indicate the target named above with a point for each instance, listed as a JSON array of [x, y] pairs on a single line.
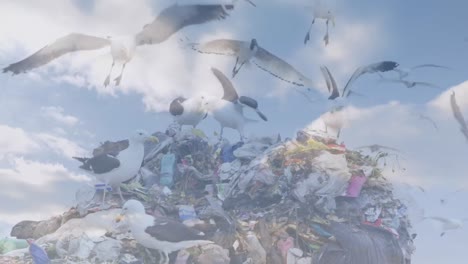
[[302, 200]]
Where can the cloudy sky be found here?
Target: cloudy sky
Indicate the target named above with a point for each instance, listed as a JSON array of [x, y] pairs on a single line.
[[62, 110]]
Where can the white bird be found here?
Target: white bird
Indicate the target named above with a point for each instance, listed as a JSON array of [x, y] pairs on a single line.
[[246, 52], [122, 49], [411, 84], [458, 115], [161, 234], [228, 110], [428, 119], [116, 168], [188, 111], [405, 72], [333, 87], [383, 66], [321, 11], [448, 224]]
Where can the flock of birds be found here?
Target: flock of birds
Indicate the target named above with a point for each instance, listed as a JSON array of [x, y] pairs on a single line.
[[115, 168]]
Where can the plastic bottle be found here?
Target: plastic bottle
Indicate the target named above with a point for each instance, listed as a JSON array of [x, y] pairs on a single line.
[[167, 170]]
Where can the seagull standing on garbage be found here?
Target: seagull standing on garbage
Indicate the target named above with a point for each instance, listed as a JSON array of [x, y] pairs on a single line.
[[448, 224], [228, 110], [114, 170], [321, 11], [122, 49], [249, 51], [161, 234], [188, 111], [405, 72]]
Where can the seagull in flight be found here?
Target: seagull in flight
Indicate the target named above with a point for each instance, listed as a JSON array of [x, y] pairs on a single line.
[[411, 84], [458, 115], [228, 110], [320, 11], [447, 224], [249, 51], [122, 49], [383, 66], [333, 87], [430, 120], [405, 72]]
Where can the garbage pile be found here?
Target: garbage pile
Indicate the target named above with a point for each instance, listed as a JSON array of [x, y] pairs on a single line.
[[266, 200]]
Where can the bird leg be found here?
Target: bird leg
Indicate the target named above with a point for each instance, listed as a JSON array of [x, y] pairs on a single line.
[[107, 81], [307, 37], [326, 37], [119, 78], [221, 133], [120, 194], [234, 71], [165, 257]]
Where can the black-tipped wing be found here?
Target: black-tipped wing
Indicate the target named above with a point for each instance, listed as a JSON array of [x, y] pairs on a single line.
[[252, 103], [99, 164], [176, 108], [69, 43], [458, 115], [171, 231], [279, 68], [228, 47], [111, 148], [426, 84], [331, 83], [176, 17], [382, 66], [248, 101], [230, 93]]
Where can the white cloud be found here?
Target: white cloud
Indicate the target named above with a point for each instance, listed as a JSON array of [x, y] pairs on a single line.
[[15, 141], [57, 113], [61, 145], [37, 173]]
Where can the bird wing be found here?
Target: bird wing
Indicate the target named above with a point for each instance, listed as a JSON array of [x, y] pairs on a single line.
[[175, 108], [230, 93], [382, 66], [171, 231], [458, 115], [227, 47], [331, 83], [111, 148], [279, 68], [428, 85], [357, 73], [429, 66], [430, 120], [439, 219], [252, 103], [99, 164], [69, 43], [176, 17]]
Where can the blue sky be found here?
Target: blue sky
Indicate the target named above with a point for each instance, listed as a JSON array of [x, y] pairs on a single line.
[[61, 110]]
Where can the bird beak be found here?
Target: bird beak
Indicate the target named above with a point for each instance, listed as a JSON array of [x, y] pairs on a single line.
[[119, 218], [153, 139]]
